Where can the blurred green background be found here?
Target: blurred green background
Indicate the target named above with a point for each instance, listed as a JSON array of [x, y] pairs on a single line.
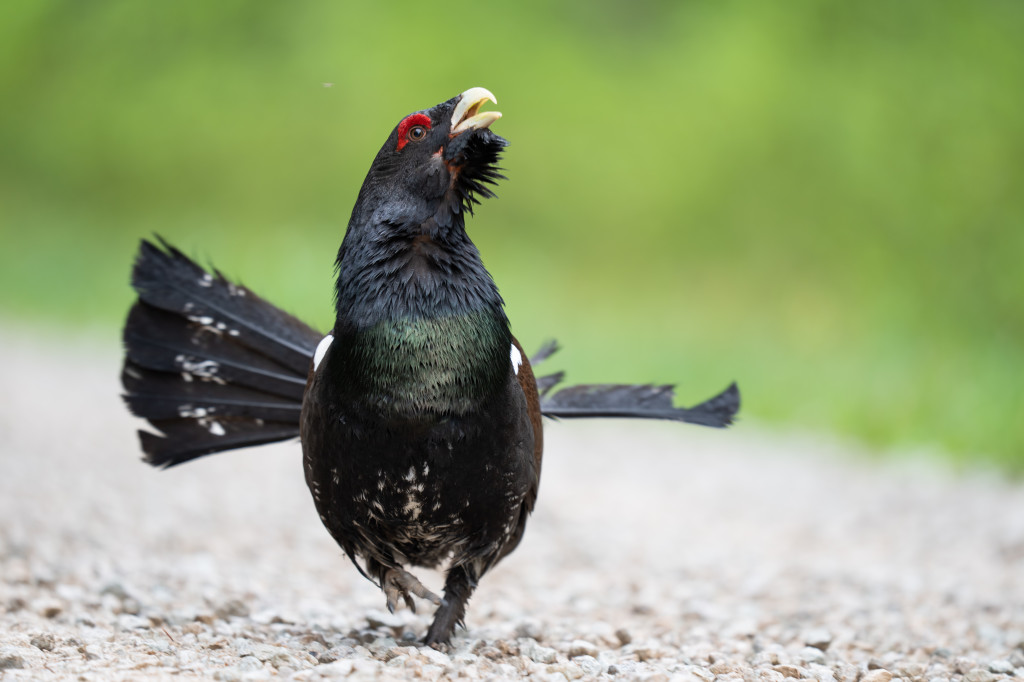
[[822, 200]]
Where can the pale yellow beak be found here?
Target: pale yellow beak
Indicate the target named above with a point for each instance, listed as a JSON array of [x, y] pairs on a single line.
[[467, 115]]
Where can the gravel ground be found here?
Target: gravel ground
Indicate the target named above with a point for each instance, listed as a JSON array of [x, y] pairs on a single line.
[[657, 552]]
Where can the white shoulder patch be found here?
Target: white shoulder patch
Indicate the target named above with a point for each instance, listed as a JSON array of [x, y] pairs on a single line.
[[517, 359], [321, 351]]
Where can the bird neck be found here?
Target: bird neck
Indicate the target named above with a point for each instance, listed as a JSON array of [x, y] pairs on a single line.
[[419, 318], [406, 269]]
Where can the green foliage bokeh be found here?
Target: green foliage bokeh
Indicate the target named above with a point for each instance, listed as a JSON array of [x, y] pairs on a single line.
[[819, 199]]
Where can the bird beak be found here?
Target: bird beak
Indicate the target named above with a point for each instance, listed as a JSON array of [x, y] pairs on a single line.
[[465, 116]]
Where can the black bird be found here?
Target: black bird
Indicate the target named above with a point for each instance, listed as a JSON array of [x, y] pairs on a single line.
[[419, 414]]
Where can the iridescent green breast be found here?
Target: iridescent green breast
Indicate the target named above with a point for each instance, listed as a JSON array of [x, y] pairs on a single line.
[[447, 364]]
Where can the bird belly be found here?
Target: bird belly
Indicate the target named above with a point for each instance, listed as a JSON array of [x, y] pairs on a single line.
[[420, 493]]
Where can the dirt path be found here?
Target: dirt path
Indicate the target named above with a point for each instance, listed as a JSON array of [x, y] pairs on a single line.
[[657, 552]]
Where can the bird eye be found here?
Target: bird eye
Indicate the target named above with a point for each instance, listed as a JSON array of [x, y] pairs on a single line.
[[413, 128]]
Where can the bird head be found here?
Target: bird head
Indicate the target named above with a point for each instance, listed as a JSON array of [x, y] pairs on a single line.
[[436, 162]]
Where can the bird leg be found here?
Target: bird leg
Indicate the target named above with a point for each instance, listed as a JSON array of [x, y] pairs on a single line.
[[399, 583], [458, 585]]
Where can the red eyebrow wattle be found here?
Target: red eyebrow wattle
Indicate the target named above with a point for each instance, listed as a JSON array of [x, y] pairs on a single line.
[[408, 122]]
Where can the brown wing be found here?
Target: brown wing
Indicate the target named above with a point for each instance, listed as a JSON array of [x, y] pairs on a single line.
[[529, 385]]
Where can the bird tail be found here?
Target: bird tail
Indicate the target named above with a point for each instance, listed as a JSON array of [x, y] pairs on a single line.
[[209, 364], [637, 401]]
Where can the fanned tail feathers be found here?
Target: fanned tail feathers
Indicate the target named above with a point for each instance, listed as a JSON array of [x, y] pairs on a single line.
[[208, 363]]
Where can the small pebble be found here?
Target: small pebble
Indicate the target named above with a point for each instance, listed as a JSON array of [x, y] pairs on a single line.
[[580, 647], [43, 642], [877, 675], [233, 608], [435, 657], [50, 608], [963, 665], [979, 675], [11, 659], [116, 589], [381, 647], [563, 671], [822, 673], [647, 653], [1001, 667], [530, 629], [819, 638], [724, 668], [129, 622], [700, 673], [538, 653], [810, 654], [792, 671], [431, 672], [15, 604], [131, 606], [589, 665]]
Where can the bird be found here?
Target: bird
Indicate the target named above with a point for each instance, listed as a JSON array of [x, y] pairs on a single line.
[[419, 414]]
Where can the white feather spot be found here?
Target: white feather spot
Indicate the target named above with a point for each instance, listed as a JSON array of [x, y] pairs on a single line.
[[206, 280], [190, 412], [517, 358], [204, 369], [321, 351], [412, 507]]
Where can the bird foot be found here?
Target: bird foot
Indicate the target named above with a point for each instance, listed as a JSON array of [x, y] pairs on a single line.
[[399, 583], [443, 647]]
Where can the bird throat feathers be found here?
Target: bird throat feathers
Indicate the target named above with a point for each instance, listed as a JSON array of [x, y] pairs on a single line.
[[396, 270]]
